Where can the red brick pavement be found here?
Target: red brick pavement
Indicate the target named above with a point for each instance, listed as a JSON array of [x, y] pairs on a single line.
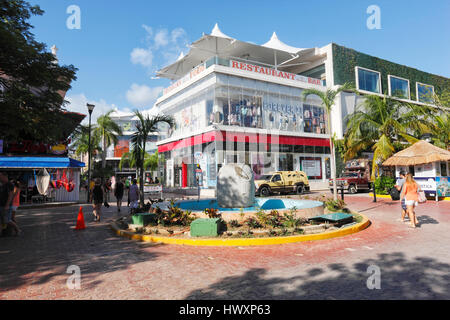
[[414, 263]]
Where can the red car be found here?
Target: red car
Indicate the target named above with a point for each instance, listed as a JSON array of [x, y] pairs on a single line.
[[355, 177]]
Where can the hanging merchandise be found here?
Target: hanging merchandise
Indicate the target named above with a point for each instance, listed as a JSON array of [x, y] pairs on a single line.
[[67, 183], [56, 182], [42, 181]]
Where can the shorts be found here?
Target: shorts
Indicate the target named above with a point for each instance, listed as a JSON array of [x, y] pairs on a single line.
[[413, 203], [14, 208], [134, 204], [403, 204]]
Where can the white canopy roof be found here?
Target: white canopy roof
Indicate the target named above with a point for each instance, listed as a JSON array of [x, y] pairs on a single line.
[[151, 112], [217, 33], [120, 114], [219, 44], [275, 43]]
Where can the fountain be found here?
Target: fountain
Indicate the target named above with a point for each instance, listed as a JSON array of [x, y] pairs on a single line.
[[235, 198]]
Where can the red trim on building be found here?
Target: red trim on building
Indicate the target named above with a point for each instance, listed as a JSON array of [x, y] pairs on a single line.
[[242, 137]]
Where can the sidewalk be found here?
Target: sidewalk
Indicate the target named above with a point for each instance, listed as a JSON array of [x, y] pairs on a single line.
[[414, 263]]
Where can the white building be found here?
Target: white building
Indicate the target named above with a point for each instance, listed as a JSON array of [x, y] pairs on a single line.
[[235, 101]]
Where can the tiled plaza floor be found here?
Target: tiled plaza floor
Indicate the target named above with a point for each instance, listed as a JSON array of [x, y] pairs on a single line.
[[414, 263]]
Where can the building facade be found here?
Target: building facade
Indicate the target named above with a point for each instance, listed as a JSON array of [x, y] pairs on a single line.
[[233, 110], [127, 122], [238, 102]]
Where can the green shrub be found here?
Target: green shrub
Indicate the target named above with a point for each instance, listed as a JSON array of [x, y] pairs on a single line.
[[253, 223], [333, 205], [234, 224], [383, 184]]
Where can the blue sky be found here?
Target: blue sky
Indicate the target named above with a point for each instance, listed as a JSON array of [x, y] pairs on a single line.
[[122, 43]]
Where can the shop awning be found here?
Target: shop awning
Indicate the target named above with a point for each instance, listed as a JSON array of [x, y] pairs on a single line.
[[39, 162]]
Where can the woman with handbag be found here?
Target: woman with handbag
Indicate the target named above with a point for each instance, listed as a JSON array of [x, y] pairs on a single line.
[[410, 192]]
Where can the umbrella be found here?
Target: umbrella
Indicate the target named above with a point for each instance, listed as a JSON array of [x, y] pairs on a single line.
[[419, 153]]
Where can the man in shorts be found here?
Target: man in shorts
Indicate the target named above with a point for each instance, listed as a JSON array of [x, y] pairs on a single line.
[[134, 196], [399, 187]]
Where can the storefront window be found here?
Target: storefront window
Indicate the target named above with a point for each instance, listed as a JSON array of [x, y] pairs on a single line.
[[312, 167]]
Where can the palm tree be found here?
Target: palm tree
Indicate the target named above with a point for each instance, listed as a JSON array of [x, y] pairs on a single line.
[[108, 131], [81, 141], [328, 98], [129, 159], [144, 128], [151, 161], [440, 118], [383, 125], [80, 144]]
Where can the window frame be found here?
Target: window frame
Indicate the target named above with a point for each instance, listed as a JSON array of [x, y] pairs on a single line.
[[390, 88], [417, 92], [370, 70]]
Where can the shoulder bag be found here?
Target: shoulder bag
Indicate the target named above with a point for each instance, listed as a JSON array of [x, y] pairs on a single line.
[[422, 196]]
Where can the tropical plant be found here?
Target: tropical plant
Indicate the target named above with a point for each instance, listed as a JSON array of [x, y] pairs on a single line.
[[212, 213], [384, 184], [328, 98], [335, 205], [384, 125], [440, 119], [145, 126], [253, 223], [108, 131], [80, 140]]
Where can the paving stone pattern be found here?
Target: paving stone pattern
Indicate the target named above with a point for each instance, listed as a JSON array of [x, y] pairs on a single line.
[[414, 263]]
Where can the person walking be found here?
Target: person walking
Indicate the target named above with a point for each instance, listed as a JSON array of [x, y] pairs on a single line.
[[16, 200], [97, 196], [399, 187], [118, 192], [107, 190], [6, 198], [410, 193], [133, 196]]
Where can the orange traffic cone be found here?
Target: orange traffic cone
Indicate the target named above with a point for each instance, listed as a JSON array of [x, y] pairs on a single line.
[[80, 220]]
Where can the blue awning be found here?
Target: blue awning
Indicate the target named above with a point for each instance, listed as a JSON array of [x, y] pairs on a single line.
[[39, 162]]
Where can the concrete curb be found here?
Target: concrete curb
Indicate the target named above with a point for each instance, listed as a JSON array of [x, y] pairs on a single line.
[[244, 241], [48, 205], [385, 196]]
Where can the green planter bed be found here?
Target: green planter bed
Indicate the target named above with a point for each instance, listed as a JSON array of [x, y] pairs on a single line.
[[142, 219]]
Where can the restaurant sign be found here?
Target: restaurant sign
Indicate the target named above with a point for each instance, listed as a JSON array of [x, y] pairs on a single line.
[[273, 73]]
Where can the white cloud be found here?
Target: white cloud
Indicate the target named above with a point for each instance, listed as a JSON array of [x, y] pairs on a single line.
[[142, 56], [77, 103], [178, 33], [142, 96], [161, 47], [161, 38]]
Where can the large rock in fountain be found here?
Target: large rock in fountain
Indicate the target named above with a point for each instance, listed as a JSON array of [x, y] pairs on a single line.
[[235, 186]]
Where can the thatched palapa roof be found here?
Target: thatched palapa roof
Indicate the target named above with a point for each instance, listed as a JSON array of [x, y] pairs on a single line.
[[419, 153]]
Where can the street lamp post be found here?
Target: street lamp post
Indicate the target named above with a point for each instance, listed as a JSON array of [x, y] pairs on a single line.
[[90, 109]]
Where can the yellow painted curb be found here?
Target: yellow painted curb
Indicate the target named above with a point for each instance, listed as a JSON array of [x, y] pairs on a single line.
[[381, 195], [244, 241], [389, 197]]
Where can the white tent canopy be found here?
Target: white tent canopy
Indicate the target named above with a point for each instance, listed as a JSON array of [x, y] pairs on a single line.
[[273, 54], [217, 33], [276, 44]]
